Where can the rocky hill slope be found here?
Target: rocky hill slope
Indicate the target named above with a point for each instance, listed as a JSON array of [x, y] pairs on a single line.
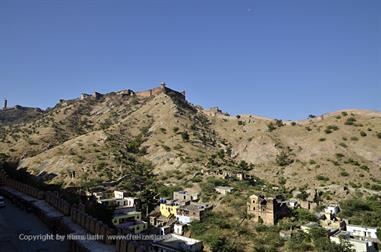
[[88, 140]]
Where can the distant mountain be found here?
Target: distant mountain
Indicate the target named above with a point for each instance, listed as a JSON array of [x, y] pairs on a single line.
[[86, 139]]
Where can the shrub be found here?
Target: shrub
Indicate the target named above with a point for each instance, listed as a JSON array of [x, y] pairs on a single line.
[[354, 138], [283, 159], [328, 131], [379, 135], [322, 139], [344, 113], [270, 127], [350, 121], [322, 178], [344, 174], [175, 129], [185, 136], [343, 145], [332, 127], [304, 215], [362, 133], [166, 148]]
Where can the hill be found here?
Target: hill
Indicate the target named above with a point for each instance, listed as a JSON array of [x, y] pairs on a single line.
[[87, 140]]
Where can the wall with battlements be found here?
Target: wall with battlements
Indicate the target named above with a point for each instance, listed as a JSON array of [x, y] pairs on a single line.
[[159, 90]]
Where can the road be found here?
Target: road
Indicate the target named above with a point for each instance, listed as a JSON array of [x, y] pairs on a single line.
[[14, 221]]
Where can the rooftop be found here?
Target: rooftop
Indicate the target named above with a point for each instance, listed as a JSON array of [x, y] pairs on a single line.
[[177, 241], [196, 206], [128, 224], [117, 214]]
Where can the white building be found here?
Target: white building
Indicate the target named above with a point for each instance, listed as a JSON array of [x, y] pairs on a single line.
[[332, 209], [120, 194], [179, 228], [362, 231], [359, 244], [174, 242], [223, 189]]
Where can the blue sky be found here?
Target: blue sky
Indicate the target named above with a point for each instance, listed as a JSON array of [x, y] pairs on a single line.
[[282, 59]]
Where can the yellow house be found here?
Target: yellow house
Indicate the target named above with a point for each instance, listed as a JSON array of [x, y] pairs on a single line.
[[168, 209]]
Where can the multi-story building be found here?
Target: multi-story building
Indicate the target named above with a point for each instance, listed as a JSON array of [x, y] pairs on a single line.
[[194, 211], [266, 210], [169, 208]]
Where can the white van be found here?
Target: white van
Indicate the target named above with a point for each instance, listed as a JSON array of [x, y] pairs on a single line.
[[2, 201]]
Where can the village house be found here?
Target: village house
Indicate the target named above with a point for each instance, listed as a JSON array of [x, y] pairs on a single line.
[[158, 221], [179, 228], [134, 226], [131, 221], [194, 211], [119, 218], [169, 208], [266, 210], [223, 189], [330, 220], [359, 244], [165, 230], [362, 231], [185, 196]]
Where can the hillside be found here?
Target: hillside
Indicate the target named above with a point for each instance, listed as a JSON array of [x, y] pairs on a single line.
[[88, 140]]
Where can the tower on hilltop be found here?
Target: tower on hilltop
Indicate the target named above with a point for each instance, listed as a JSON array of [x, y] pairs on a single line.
[[5, 104]]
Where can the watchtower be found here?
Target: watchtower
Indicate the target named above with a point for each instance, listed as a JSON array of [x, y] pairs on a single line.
[[5, 104]]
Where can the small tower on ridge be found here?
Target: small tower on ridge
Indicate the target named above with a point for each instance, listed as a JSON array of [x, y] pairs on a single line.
[[5, 104]]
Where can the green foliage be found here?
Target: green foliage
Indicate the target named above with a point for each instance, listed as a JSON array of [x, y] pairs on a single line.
[[166, 148], [279, 123], [304, 215], [282, 159], [244, 166], [322, 178], [350, 121], [362, 211], [175, 129], [185, 136], [271, 127], [379, 135], [363, 134], [330, 128], [211, 229], [298, 242], [344, 174], [208, 186], [133, 146], [167, 191]]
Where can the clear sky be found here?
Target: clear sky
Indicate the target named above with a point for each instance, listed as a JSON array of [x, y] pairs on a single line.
[[282, 59]]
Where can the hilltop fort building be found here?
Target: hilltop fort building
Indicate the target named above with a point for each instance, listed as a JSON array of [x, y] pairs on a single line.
[[266, 210]]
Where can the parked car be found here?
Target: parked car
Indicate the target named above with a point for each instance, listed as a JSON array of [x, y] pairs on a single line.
[[2, 201]]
